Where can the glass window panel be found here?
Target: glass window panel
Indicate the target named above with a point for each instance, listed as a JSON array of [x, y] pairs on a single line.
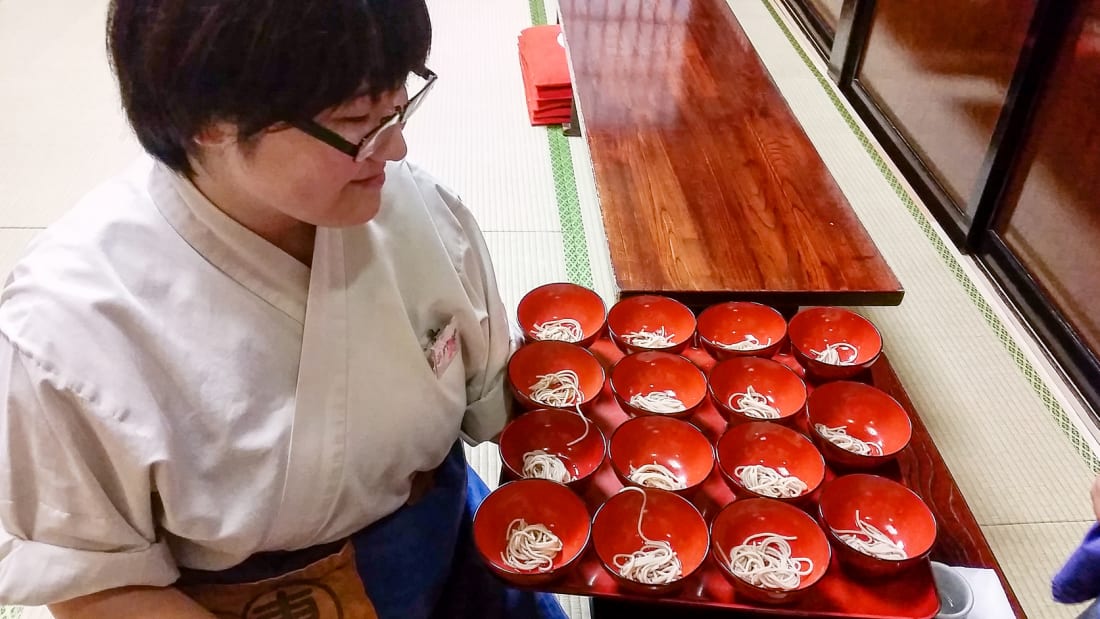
[[940, 69], [1050, 216]]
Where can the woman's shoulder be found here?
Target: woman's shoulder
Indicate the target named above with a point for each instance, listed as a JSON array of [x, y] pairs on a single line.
[[94, 253]]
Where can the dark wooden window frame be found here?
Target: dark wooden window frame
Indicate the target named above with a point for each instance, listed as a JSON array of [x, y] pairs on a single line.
[[811, 23], [970, 225]]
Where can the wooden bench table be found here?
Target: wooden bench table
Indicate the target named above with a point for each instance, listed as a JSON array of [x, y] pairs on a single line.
[[709, 188]]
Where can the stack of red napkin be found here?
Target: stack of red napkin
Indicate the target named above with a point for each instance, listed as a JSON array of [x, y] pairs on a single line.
[[545, 75]]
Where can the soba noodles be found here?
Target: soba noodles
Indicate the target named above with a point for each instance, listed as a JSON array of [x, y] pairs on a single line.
[[662, 402], [656, 476], [769, 482], [561, 330], [764, 560], [655, 563], [531, 547]]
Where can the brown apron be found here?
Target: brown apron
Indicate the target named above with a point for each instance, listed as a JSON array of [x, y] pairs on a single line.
[[329, 588]]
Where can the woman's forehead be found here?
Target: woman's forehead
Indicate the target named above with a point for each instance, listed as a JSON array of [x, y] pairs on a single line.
[[365, 101]]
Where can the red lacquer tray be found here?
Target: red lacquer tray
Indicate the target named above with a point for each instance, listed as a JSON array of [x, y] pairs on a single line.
[[911, 595]]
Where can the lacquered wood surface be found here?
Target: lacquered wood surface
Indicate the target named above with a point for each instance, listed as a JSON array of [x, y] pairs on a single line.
[[709, 188], [959, 540]]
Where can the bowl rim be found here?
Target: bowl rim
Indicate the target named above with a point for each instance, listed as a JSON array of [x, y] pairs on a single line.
[[800, 513], [617, 338], [667, 354], [745, 427], [927, 511], [609, 567], [723, 405], [717, 307], [664, 419], [565, 564], [585, 291], [851, 384], [806, 356], [554, 343], [592, 426]]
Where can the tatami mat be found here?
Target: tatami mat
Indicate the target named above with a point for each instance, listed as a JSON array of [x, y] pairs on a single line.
[[63, 130], [473, 133], [12, 244], [525, 260], [1019, 540]]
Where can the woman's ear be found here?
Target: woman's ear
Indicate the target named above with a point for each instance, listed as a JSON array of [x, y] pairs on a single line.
[[216, 134]]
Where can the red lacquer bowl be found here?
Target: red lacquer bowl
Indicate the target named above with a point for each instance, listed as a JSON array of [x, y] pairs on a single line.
[[743, 519], [536, 501], [774, 446], [539, 358], [774, 381], [888, 506], [813, 330], [867, 414], [667, 517], [647, 372], [651, 313], [552, 430], [674, 444], [731, 323], [562, 301]]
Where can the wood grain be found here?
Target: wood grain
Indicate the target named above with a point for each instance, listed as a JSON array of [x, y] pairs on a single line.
[[709, 188]]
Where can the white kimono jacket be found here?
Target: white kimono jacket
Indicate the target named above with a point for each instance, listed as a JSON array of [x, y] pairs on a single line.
[[175, 391]]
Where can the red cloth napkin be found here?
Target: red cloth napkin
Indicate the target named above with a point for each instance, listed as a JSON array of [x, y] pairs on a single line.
[[545, 71]]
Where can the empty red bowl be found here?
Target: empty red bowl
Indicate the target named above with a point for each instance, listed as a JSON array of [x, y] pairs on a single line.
[[814, 330], [774, 446], [866, 414], [668, 517], [542, 358], [562, 301], [536, 501], [552, 430], [774, 382], [676, 445], [757, 330], [891, 508], [743, 519], [644, 373], [651, 314]]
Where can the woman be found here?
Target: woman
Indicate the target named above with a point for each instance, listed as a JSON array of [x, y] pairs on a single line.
[[232, 381]]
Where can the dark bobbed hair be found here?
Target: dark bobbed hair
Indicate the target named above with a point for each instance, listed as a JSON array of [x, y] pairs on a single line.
[[182, 64]]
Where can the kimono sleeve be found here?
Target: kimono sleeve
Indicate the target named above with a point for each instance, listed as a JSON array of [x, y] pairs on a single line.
[[73, 519], [489, 403]]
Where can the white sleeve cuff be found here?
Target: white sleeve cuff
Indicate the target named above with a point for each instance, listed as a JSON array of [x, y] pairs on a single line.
[[35, 574], [486, 417]]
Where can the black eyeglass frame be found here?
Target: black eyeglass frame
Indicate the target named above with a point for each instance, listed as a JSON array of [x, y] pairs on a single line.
[[366, 146]]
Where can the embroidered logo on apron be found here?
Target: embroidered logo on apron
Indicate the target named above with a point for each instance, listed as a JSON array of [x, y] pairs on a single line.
[[296, 601], [329, 588]]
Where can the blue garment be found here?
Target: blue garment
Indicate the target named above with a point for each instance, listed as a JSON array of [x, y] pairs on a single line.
[[419, 562], [1079, 578]]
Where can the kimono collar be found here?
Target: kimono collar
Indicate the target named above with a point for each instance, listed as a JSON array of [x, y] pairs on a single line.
[[247, 258]]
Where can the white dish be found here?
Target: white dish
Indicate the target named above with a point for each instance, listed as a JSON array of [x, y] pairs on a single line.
[[956, 596]]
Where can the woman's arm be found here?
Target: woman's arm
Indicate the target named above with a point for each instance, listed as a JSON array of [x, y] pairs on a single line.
[[126, 602]]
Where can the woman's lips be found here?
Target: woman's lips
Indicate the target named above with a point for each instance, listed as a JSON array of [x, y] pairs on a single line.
[[371, 181]]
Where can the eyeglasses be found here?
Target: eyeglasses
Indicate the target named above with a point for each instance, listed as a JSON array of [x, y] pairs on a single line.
[[369, 144]]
